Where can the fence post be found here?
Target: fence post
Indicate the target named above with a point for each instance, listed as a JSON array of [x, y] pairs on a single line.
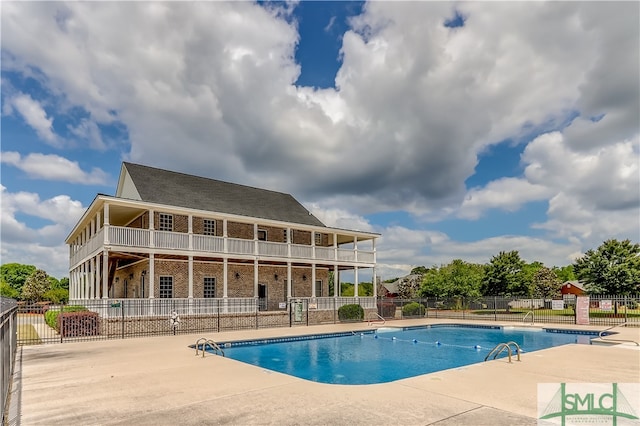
[[121, 315], [61, 315], [495, 311], [257, 309], [626, 308], [462, 299], [334, 309], [308, 312], [218, 316]]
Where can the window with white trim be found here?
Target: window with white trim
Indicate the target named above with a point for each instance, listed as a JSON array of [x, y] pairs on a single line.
[[209, 287], [209, 227], [285, 236], [318, 238], [262, 235], [166, 287], [165, 222], [318, 288]]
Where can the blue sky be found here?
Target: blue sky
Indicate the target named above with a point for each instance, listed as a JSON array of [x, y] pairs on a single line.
[[453, 129]]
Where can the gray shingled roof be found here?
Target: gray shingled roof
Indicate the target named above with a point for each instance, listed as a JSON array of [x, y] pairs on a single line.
[[182, 190]]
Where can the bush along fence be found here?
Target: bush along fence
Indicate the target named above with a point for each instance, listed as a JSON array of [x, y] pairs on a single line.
[[112, 319]]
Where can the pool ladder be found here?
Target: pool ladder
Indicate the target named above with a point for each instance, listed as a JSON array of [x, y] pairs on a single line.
[[602, 334], [213, 345], [374, 318], [500, 347]]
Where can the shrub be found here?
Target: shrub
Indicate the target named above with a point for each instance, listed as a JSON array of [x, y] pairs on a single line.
[[79, 323], [413, 309], [51, 316], [351, 313]]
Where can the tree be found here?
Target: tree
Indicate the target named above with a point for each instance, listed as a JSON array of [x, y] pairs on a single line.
[[613, 268], [546, 283], [418, 270], [15, 274], [457, 279], [7, 291], [565, 273], [504, 276], [529, 270], [36, 286]]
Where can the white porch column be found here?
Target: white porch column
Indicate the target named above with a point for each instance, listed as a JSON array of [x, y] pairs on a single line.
[[190, 273], [313, 280], [106, 223], [225, 269], [355, 247], [288, 243], [151, 233], [152, 261], [355, 279], [375, 283], [255, 278], [84, 281], [105, 274], [256, 250], [335, 246], [336, 281], [92, 278], [190, 230], [288, 280], [224, 241]]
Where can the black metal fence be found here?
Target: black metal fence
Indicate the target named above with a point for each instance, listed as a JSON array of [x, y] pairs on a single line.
[[603, 310], [96, 319], [8, 346]]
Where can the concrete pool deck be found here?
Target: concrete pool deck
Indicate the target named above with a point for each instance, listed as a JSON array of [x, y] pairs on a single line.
[[159, 381]]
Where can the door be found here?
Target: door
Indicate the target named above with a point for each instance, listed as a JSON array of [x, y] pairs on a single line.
[[262, 297]]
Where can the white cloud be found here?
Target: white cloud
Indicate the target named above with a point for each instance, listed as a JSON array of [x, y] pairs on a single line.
[[35, 116], [44, 246], [507, 194], [208, 88], [54, 167]]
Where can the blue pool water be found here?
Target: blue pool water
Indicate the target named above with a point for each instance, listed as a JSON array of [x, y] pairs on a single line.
[[389, 354]]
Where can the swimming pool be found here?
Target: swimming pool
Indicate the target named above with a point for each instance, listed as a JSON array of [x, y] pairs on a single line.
[[389, 354]]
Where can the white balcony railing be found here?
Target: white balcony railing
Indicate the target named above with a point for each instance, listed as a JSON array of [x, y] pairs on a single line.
[[239, 246], [145, 238], [272, 249], [208, 243]]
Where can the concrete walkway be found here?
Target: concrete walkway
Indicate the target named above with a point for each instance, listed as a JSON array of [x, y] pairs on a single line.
[[159, 381]]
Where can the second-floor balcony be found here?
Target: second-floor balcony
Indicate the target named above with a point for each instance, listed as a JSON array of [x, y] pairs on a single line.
[[125, 238]]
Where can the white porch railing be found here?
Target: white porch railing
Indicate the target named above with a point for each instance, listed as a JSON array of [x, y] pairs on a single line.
[[143, 238], [171, 240], [208, 243], [239, 246], [266, 248], [133, 237], [301, 251]]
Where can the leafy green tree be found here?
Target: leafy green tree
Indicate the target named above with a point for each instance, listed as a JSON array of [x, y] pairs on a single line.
[[546, 283], [419, 270], [529, 270], [347, 290], [457, 279], [7, 291], [64, 283], [613, 268], [565, 273], [36, 286], [504, 275], [15, 274]]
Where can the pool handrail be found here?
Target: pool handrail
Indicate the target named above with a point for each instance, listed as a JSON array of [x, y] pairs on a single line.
[[525, 317], [213, 345], [602, 336], [379, 318], [497, 350]]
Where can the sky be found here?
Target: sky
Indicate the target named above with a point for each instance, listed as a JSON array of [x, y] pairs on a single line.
[[453, 129]]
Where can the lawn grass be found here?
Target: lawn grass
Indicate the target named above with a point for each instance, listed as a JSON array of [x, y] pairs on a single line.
[[593, 313], [28, 335]]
